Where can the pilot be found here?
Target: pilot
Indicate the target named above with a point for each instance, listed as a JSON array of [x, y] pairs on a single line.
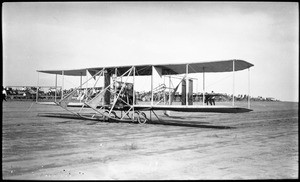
[[129, 93]]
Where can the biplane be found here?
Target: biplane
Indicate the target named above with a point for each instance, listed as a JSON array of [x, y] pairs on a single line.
[[116, 100]]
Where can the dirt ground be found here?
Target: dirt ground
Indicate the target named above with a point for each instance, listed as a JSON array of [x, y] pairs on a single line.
[[262, 144]]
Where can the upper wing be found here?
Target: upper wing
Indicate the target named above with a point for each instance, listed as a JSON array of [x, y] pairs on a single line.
[[167, 69]]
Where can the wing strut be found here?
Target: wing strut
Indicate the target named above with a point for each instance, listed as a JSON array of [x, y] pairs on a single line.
[[203, 98], [233, 68]]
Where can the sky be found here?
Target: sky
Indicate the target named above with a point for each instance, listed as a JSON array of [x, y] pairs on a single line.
[[55, 35]]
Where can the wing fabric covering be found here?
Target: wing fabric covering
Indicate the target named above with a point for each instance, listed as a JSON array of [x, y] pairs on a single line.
[[164, 69]]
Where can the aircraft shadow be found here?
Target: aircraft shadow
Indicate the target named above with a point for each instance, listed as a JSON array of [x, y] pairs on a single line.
[[155, 122], [175, 117], [189, 124], [180, 117]]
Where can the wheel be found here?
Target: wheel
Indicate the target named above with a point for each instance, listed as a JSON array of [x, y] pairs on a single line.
[[112, 114], [142, 118], [136, 116]]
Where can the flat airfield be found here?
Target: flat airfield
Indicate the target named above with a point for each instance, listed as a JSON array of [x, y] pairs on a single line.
[[262, 144]]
